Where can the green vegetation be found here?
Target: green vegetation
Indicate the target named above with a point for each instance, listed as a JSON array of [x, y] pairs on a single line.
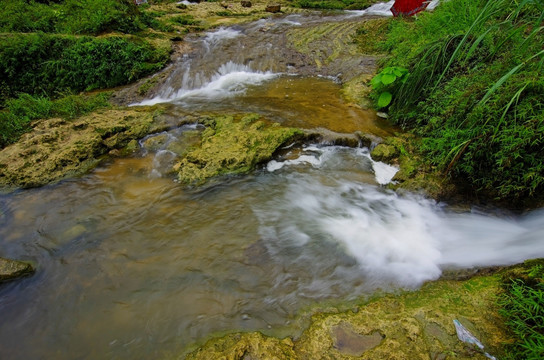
[[47, 51], [333, 4], [71, 16], [184, 20], [475, 93], [48, 63], [522, 303], [16, 118], [386, 82]]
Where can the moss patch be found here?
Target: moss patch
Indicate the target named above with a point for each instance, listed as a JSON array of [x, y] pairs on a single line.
[[57, 148], [231, 146], [412, 325], [245, 346]]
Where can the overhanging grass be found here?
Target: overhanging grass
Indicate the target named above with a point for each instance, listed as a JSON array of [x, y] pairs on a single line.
[[474, 93]]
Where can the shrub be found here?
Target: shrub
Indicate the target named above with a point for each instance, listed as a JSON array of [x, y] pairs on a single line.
[[46, 64]]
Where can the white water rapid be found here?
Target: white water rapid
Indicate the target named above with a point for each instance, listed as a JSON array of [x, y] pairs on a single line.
[[400, 240]]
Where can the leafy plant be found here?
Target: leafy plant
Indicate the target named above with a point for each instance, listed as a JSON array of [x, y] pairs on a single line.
[[386, 82], [475, 93], [46, 64]]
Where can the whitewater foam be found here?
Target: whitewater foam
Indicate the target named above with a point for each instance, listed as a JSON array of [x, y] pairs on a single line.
[[230, 79], [316, 156], [397, 240]]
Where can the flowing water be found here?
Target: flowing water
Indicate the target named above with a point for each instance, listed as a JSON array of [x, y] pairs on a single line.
[[131, 265]]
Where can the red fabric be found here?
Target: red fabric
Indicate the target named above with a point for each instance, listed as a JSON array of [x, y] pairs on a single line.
[[408, 7]]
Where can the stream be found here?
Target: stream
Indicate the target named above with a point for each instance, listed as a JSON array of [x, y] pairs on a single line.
[[131, 265]]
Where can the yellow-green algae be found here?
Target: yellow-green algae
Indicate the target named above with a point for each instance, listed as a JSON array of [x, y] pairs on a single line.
[[231, 146], [57, 148], [410, 325], [326, 42]]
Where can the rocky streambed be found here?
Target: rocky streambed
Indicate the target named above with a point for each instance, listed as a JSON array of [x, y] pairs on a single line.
[[229, 207]]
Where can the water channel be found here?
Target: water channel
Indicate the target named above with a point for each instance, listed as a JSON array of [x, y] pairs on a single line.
[[133, 265]]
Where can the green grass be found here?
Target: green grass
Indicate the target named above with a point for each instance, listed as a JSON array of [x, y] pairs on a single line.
[[333, 4], [522, 305], [71, 16], [49, 49], [16, 117], [475, 93]]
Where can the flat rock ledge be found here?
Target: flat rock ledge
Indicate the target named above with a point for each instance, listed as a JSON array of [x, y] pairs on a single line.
[[408, 325], [13, 269]]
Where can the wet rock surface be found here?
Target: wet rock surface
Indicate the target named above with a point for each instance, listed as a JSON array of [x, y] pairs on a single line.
[[349, 342], [230, 146], [58, 148], [411, 325], [13, 269]]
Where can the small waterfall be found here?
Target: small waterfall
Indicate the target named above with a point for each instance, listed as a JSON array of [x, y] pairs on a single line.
[[229, 80]]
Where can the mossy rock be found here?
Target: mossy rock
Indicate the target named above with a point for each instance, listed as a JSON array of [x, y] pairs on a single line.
[[245, 346], [410, 325], [13, 269], [58, 148], [232, 146], [385, 153]]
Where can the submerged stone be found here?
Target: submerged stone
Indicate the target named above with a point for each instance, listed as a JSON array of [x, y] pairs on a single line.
[[12, 269], [230, 146], [352, 343]]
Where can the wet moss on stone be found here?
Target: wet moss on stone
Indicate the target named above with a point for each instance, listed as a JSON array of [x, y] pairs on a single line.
[[410, 325], [232, 146], [58, 148]]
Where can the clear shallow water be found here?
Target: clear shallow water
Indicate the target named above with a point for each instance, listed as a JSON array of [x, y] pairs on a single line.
[[135, 266]]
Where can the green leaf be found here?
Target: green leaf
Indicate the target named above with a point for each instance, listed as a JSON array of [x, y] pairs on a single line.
[[376, 80], [388, 79], [399, 71], [384, 99]]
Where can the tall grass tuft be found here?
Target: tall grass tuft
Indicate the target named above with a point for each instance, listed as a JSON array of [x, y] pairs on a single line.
[[522, 306], [16, 117], [475, 93]]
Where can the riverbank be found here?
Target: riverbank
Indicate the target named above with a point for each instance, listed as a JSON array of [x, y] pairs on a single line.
[[470, 90], [410, 325]]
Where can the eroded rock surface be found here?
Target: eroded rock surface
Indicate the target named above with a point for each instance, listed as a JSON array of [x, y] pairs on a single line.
[[231, 146], [58, 148], [412, 325]]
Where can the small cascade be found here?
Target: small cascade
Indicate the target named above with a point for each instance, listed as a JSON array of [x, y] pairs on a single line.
[[230, 79]]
